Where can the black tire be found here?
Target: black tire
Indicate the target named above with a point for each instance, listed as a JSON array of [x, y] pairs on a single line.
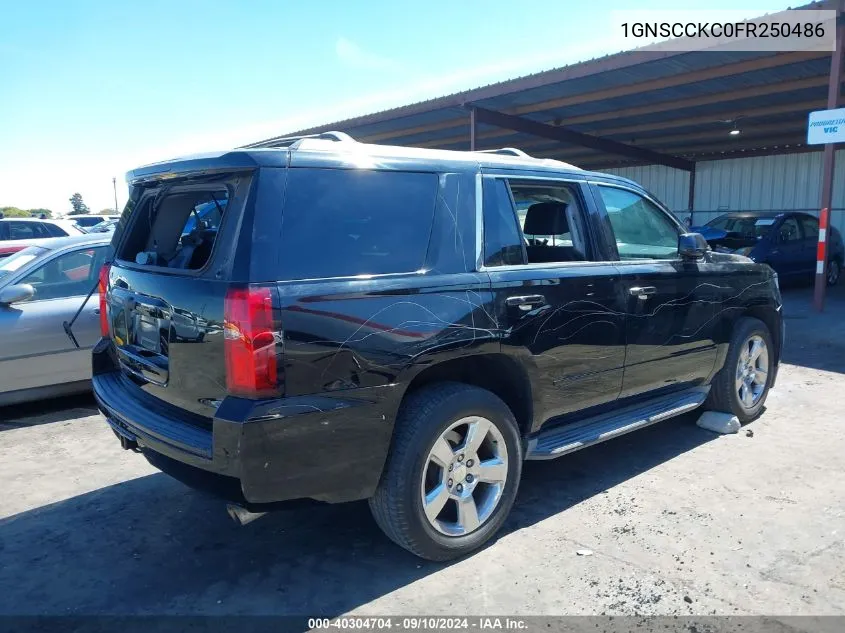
[[834, 272], [424, 415], [723, 394]]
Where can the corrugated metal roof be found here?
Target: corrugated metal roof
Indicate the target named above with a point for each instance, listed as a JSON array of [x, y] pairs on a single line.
[[615, 96]]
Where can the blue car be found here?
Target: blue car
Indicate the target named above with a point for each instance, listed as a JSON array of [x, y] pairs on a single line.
[[785, 241]]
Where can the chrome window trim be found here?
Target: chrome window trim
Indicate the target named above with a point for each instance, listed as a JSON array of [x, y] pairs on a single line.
[[549, 265]]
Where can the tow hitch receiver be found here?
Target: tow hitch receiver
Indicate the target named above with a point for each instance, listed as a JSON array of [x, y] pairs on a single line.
[[127, 442]]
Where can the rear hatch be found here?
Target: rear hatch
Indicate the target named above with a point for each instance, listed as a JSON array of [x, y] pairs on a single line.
[[170, 285]]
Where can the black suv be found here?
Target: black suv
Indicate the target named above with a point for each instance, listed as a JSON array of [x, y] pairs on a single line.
[[333, 321]]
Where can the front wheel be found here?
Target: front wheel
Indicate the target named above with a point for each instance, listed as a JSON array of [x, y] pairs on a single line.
[[452, 473], [742, 385]]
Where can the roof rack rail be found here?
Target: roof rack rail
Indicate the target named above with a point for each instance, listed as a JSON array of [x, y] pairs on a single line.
[[507, 151], [288, 141]]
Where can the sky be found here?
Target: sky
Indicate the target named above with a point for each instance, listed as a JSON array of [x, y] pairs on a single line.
[[93, 88]]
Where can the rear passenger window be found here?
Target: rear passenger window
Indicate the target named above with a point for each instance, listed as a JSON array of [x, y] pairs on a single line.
[[552, 220], [339, 222], [502, 242]]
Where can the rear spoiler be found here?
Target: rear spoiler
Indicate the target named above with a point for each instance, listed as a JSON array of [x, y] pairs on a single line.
[[207, 164]]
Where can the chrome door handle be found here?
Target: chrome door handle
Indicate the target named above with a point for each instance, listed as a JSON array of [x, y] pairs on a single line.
[[642, 292], [525, 302]]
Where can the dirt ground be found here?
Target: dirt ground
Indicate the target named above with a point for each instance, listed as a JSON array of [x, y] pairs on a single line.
[[678, 520]]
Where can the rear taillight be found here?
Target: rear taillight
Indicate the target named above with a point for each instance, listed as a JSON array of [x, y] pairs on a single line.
[[102, 287], [250, 343]]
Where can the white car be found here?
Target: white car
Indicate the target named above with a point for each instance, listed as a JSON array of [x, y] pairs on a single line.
[[18, 233], [87, 221]]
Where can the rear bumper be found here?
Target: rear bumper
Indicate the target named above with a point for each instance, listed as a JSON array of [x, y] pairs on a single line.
[[329, 448]]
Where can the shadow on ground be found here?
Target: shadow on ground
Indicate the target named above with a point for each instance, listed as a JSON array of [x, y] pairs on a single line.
[[814, 340], [47, 411], [152, 546]]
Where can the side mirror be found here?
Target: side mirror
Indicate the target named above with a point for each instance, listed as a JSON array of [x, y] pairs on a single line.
[[16, 293], [692, 246]]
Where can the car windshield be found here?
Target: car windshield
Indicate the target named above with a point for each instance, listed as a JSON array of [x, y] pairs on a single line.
[[103, 227], [746, 226], [19, 259]]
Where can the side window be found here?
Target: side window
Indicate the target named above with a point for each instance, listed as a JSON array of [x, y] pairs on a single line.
[[811, 227], [789, 231], [53, 230], [68, 275], [4, 231], [21, 230], [552, 221], [345, 222], [40, 229], [641, 229], [502, 241]]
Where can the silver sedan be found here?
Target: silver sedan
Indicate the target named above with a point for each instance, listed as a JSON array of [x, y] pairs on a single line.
[[41, 287]]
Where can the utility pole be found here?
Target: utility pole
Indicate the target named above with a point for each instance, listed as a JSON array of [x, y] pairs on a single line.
[[114, 185], [834, 83]]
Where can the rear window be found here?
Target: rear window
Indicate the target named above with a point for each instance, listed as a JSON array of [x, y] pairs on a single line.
[[355, 222], [54, 230], [176, 228]]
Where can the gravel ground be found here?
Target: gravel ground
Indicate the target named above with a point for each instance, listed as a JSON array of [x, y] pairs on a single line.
[[675, 520]]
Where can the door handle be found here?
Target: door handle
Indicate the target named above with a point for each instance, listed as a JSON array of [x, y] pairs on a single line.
[[642, 292], [525, 302], [96, 310]]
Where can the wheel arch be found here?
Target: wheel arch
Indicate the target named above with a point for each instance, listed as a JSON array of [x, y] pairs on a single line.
[[495, 372], [772, 320]]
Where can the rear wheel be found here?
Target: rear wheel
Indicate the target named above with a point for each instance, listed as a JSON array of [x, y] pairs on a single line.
[[453, 471], [834, 271], [742, 385]]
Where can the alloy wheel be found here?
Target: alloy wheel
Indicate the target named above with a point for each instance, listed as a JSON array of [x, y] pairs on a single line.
[[752, 371], [464, 476], [832, 272]]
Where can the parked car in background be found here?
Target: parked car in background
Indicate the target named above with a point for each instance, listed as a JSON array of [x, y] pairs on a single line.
[[42, 286], [370, 322], [104, 227], [785, 241], [17, 233], [90, 220]]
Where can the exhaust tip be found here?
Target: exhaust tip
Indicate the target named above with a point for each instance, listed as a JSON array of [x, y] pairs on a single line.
[[242, 516]]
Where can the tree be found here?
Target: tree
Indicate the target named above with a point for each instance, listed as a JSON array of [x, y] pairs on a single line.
[[106, 211], [79, 207], [13, 212]]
